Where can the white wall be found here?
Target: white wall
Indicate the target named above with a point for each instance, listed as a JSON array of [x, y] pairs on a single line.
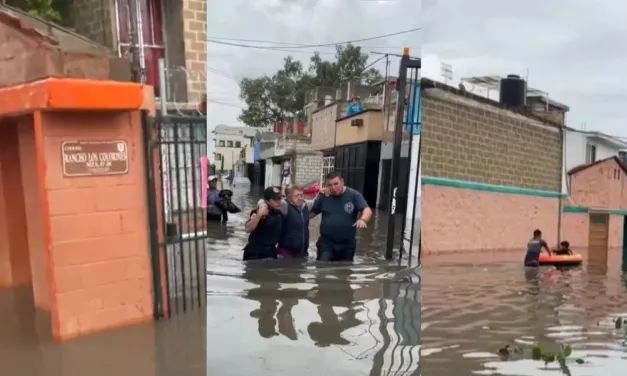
[[575, 147], [575, 151]]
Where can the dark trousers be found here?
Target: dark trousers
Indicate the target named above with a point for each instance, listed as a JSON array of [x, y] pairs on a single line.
[[218, 217], [337, 251], [259, 252]]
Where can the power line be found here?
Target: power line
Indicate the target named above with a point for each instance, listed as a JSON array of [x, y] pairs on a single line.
[[225, 104], [293, 45], [216, 41]]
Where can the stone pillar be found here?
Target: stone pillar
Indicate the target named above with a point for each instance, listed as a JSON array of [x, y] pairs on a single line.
[[78, 193]]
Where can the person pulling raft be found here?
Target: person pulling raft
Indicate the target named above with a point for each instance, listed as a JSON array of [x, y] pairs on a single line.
[[534, 249]]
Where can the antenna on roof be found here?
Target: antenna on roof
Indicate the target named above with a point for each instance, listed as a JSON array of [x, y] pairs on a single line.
[[446, 71]]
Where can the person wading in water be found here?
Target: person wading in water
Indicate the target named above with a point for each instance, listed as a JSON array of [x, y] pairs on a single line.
[[215, 213], [294, 242], [343, 211], [264, 227]]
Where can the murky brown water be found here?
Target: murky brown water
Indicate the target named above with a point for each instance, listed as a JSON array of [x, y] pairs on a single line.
[[289, 318], [472, 309], [172, 347]]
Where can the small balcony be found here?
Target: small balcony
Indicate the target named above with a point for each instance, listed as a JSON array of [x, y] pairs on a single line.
[[367, 125]]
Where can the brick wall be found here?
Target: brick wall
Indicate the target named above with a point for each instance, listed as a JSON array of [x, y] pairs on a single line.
[[468, 140], [323, 127], [195, 35], [307, 168], [95, 21]]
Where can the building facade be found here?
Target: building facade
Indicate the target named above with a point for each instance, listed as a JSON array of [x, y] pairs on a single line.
[[233, 145], [583, 147], [173, 30], [490, 175], [596, 207]]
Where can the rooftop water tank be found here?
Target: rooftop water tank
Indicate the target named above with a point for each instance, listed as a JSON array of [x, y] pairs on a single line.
[[513, 91]]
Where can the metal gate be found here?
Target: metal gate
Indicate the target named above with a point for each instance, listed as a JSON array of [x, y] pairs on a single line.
[[178, 232], [405, 186], [328, 166]]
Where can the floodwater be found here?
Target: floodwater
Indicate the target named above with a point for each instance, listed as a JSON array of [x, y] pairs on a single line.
[[289, 318], [170, 347], [472, 309]]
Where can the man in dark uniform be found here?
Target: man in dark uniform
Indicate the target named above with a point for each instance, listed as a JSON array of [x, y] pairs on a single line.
[[264, 226], [343, 211]]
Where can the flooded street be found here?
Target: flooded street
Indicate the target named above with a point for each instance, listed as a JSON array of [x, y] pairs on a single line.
[[292, 318], [473, 309], [169, 347], [287, 318]]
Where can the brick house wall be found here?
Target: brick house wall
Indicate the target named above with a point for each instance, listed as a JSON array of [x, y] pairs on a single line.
[[307, 168], [602, 185], [185, 36], [490, 176], [468, 140], [323, 127], [195, 37]]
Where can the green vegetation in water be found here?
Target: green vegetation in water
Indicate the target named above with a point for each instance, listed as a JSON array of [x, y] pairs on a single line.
[[544, 355], [44, 9]]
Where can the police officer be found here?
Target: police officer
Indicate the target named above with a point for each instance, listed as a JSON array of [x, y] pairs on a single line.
[[264, 226]]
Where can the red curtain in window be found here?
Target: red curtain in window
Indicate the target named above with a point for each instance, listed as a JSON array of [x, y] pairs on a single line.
[[152, 37]]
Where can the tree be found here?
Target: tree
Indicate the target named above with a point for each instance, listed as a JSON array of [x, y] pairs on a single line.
[[282, 96]]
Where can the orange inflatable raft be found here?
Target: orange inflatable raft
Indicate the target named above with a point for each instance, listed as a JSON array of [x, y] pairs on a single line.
[[560, 260]]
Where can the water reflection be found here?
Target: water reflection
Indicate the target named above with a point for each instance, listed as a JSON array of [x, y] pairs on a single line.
[[170, 347], [307, 318], [474, 307]]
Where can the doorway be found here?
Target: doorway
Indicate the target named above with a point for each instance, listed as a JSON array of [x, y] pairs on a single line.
[[598, 236]]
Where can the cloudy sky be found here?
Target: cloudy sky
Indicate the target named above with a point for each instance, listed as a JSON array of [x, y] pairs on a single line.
[[569, 48]]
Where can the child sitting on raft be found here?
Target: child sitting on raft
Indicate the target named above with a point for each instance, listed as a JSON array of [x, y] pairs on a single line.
[[564, 249]]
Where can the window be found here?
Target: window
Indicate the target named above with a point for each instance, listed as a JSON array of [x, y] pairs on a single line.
[[622, 155], [218, 157], [238, 144], [221, 143], [149, 15], [591, 153], [229, 144]]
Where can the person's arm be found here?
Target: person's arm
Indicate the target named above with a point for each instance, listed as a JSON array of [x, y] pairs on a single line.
[[252, 222], [282, 208], [546, 247], [362, 206], [316, 207]]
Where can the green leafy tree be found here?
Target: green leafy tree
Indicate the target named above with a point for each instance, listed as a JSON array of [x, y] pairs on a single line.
[[281, 97], [44, 9]]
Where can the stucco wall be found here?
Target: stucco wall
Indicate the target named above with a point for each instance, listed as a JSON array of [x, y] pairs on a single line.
[[467, 220]]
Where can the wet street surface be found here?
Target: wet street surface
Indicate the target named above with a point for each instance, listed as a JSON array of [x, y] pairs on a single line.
[[307, 318], [472, 309]]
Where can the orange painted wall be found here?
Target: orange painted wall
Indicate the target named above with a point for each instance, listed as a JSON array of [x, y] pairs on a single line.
[[14, 253], [465, 220], [34, 215], [98, 227]]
